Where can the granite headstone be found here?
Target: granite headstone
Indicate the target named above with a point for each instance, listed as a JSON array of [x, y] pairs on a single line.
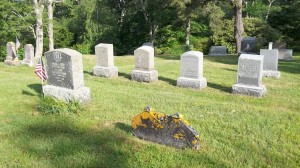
[[249, 45], [65, 76], [28, 55], [249, 77], [11, 54], [144, 65], [191, 70], [270, 67], [217, 51], [285, 54], [105, 61]]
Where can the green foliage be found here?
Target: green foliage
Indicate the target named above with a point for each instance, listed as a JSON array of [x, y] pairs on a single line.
[[260, 29], [49, 105]]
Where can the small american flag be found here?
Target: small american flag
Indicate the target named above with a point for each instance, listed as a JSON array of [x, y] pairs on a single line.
[[18, 44], [40, 70]]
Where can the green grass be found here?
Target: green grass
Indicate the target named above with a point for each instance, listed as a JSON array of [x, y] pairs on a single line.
[[235, 131]]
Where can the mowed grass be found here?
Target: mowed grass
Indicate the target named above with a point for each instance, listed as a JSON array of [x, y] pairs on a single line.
[[235, 131]]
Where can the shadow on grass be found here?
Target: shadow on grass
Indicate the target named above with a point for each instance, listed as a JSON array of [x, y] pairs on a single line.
[[64, 144], [232, 70], [230, 59], [37, 88], [219, 87], [289, 66], [170, 81], [124, 127], [88, 73], [125, 75]]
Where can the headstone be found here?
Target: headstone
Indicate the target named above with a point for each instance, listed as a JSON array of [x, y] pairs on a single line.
[[105, 61], [285, 54], [144, 65], [11, 56], [28, 55], [191, 70], [248, 45], [279, 45], [249, 77], [65, 76], [217, 51], [270, 66]]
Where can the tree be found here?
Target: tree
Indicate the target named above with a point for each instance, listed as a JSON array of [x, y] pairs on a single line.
[[238, 24], [50, 24], [38, 10]]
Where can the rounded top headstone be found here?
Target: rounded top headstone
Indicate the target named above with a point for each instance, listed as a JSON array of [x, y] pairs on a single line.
[[193, 53]]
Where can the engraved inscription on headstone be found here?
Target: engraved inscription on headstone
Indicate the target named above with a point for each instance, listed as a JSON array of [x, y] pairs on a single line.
[[249, 77], [191, 70], [59, 70]]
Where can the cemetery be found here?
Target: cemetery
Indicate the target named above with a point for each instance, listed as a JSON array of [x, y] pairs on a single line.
[[112, 85]]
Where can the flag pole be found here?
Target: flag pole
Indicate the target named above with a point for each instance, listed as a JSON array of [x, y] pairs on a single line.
[[42, 80]]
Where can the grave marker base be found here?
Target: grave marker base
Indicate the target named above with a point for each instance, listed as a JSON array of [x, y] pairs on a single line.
[[271, 74], [108, 72], [15, 62], [249, 90], [81, 94], [191, 83], [144, 76]]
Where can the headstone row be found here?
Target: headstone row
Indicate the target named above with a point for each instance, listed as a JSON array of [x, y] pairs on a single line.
[[12, 57]]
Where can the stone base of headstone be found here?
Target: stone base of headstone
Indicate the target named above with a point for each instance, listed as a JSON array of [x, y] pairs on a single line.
[[217, 55], [82, 94], [144, 76], [191, 83], [271, 74], [249, 90], [108, 72], [29, 63], [15, 62]]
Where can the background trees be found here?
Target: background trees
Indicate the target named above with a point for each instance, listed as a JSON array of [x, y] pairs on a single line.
[[169, 24]]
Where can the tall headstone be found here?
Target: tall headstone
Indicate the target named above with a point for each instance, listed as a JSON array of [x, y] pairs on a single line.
[[270, 67], [285, 54], [11, 55], [270, 45], [217, 51], [28, 55], [105, 61], [144, 65], [249, 77], [248, 45], [191, 70], [65, 76]]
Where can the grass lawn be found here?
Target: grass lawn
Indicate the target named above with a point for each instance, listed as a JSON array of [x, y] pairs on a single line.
[[235, 131]]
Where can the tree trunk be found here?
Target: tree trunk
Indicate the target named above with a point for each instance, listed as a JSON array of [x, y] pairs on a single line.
[[269, 8], [50, 25], [238, 25], [38, 9], [187, 31]]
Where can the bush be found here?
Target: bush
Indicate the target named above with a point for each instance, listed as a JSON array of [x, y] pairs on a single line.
[[49, 105], [83, 48]]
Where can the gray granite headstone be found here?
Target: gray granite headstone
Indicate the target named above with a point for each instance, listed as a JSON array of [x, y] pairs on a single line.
[[11, 56], [217, 51], [65, 75], [28, 55], [105, 61], [191, 70], [270, 67], [249, 77], [249, 45], [144, 65], [279, 45], [285, 54]]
